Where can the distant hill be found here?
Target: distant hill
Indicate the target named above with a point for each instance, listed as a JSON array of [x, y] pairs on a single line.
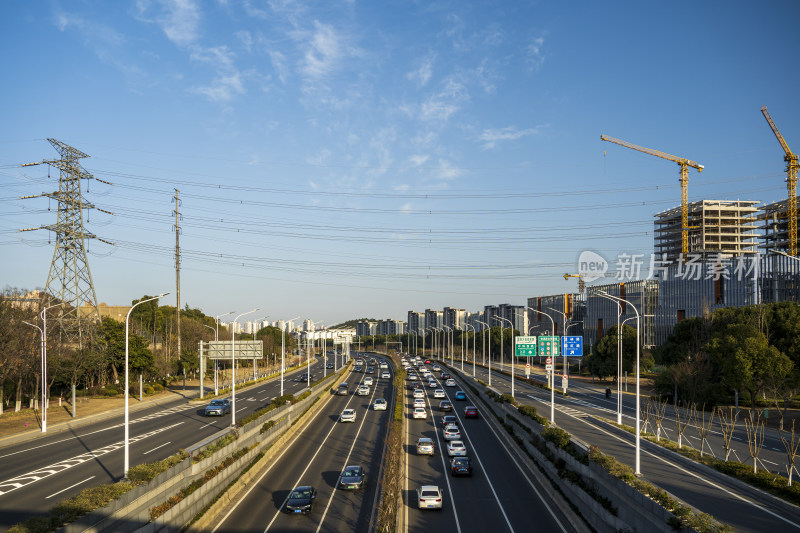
[[351, 324]]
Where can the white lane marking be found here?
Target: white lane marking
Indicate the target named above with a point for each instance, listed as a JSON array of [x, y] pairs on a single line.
[[71, 486], [346, 461], [209, 424], [47, 471], [444, 468], [157, 447], [462, 429], [116, 426], [677, 467]]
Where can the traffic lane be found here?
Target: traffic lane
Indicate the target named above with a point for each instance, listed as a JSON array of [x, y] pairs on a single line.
[[96, 458], [317, 458], [426, 470], [513, 493], [593, 402]]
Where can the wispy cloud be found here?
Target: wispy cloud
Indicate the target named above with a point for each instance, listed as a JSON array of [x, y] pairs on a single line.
[[447, 171], [418, 160], [406, 208], [228, 81], [323, 52], [534, 53], [446, 102], [491, 137], [321, 158], [178, 19], [422, 74]]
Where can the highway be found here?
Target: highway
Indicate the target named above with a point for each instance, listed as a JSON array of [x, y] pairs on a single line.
[[500, 495], [40, 473], [746, 510], [316, 456]]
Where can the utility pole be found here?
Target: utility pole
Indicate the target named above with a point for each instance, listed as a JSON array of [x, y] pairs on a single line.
[[178, 270], [69, 280]]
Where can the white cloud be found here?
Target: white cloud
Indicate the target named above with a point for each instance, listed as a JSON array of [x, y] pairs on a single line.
[[447, 172], [406, 208], [178, 19], [228, 81], [279, 64], [222, 88], [443, 104], [402, 187], [246, 38], [418, 160], [535, 53], [324, 51], [422, 74], [510, 133], [321, 158]]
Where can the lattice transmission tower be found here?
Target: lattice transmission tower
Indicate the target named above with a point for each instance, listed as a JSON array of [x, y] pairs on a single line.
[[69, 280]]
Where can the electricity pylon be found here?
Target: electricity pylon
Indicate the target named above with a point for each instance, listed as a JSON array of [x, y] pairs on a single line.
[[69, 279]]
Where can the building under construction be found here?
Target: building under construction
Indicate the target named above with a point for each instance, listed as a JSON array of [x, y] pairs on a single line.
[[726, 227], [774, 225]]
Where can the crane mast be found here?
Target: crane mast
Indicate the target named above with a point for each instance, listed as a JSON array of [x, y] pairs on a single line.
[[792, 166], [684, 164]]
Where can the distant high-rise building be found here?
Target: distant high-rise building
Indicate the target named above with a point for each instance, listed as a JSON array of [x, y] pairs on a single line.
[[416, 322], [454, 318]]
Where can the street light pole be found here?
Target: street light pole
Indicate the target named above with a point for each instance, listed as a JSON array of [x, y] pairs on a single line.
[[638, 401], [474, 339], [233, 364], [283, 348], [561, 345], [551, 375], [449, 330], [489, 329], [127, 414], [512, 345], [44, 364], [216, 361]]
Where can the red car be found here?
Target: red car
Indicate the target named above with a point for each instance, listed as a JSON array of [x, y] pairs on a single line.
[[427, 361], [470, 411]]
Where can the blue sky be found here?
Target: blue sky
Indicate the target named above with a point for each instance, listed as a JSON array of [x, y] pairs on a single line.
[[342, 159]]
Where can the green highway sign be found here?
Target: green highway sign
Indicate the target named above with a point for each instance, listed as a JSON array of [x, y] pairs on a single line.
[[548, 345], [524, 346]]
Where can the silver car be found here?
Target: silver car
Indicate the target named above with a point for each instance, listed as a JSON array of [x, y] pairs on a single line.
[[218, 407], [456, 447], [425, 446]]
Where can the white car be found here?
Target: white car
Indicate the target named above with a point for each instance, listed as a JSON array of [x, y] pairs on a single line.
[[456, 447], [439, 393], [379, 405], [436, 368], [420, 413], [419, 402], [362, 390], [450, 383], [429, 497], [451, 432], [368, 381], [412, 377], [432, 384], [419, 393], [425, 446], [348, 415], [386, 375]]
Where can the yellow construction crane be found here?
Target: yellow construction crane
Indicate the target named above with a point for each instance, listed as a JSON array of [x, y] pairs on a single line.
[[684, 164], [791, 182], [581, 283]]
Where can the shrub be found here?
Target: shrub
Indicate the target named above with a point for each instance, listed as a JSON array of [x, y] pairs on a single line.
[[557, 436], [158, 387], [110, 391], [149, 390]]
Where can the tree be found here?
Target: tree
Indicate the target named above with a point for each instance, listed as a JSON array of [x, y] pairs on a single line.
[[687, 341], [603, 361]]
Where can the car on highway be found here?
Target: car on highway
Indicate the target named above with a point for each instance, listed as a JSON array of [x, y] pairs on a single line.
[[451, 432], [461, 395], [436, 368], [427, 361], [370, 370], [445, 375], [358, 368], [425, 446], [412, 377], [432, 384], [420, 413], [419, 402], [218, 407], [449, 419], [419, 393], [329, 365], [460, 466], [439, 393], [445, 405], [415, 386], [367, 381], [301, 500], [450, 383], [379, 404], [352, 478], [348, 415], [342, 389], [362, 390], [470, 411], [456, 447], [386, 375], [429, 497]]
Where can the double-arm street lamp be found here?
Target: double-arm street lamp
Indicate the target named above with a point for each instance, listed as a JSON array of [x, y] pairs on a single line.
[[551, 374], [511, 324], [216, 361], [446, 343], [474, 340], [489, 329], [283, 347], [127, 414], [564, 329], [43, 350], [233, 364], [638, 401]]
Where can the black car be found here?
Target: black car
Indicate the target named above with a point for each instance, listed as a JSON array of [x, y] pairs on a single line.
[[329, 365], [449, 419], [445, 375], [370, 370], [460, 466], [445, 405], [301, 500], [352, 478]]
